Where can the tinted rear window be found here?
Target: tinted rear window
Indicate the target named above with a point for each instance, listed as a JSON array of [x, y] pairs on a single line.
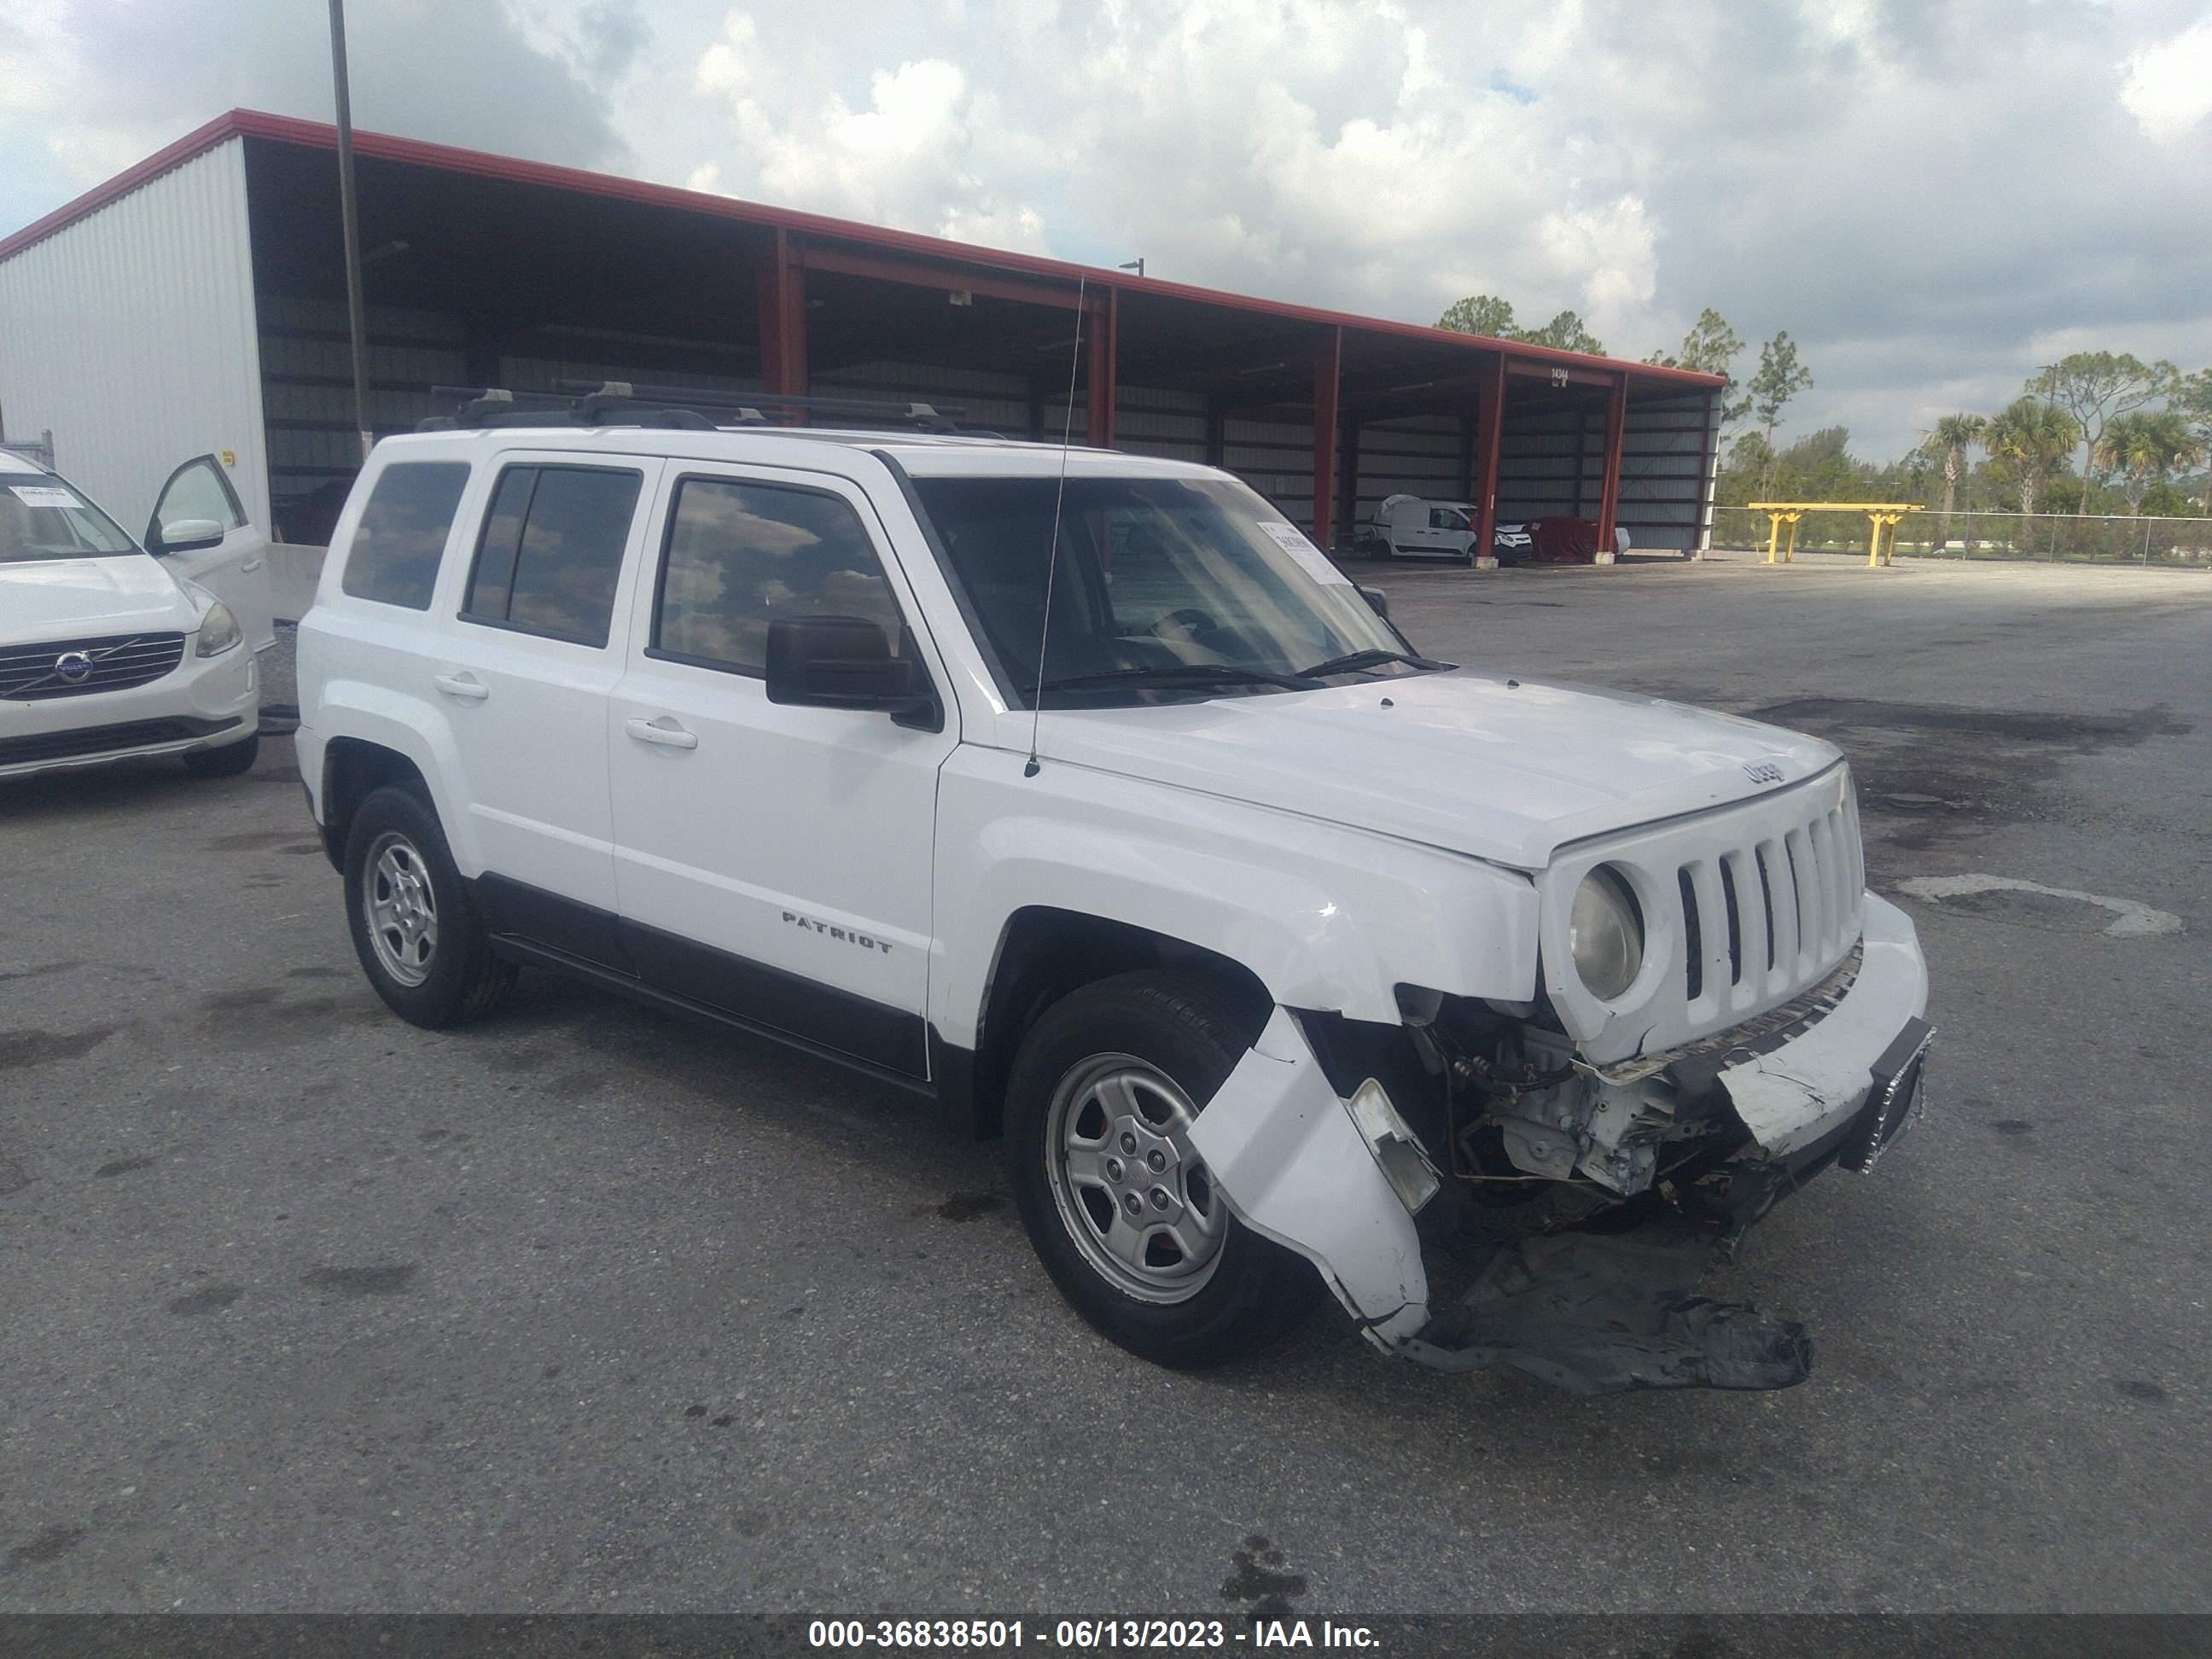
[[402, 536], [552, 549]]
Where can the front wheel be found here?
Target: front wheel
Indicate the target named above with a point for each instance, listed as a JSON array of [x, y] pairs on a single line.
[[1123, 1214], [419, 937]]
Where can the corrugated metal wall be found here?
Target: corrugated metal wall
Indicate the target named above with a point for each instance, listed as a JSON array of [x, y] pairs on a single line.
[[1416, 456], [989, 401], [1551, 462], [1154, 420], [1665, 479], [131, 333], [1276, 459], [306, 362]]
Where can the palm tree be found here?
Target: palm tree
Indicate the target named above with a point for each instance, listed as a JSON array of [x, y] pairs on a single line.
[[2034, 436], [1949, 441], [2144, 445]]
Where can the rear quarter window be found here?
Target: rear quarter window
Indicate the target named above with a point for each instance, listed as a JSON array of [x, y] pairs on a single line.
[[402, 535], [550, 555]]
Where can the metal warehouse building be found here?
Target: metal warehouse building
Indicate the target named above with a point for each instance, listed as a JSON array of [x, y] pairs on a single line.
[[195, 303]]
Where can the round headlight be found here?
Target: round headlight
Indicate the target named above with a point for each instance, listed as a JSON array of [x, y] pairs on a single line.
[[1605, 934], [218, 631]]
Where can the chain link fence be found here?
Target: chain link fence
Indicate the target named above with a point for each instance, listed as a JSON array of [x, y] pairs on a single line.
[[2084, 538]]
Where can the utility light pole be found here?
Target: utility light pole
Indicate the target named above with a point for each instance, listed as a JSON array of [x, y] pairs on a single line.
[[349, 212], [1136, 264]]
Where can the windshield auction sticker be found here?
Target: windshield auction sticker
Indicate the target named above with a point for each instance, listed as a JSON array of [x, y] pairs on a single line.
[[44, 496], [1311, 559]]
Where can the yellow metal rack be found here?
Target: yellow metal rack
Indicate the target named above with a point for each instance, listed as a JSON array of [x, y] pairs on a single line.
[[1881, 542]]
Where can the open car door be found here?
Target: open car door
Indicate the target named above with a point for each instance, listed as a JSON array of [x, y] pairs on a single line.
[[199, 530]]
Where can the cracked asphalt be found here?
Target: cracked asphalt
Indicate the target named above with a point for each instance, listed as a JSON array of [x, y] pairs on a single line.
[[584, 1308]]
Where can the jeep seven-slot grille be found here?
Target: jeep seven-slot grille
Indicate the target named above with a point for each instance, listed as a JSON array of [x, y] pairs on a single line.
[[1772, 912], [69, 668]]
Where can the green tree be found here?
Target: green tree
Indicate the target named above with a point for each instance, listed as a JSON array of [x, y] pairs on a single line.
[[1947, 441], [2144, 445], [2192, 396], [2032, 437], [2093, 388], [1709, 348], [1480, 313], [1564, 332], [1780, 378]]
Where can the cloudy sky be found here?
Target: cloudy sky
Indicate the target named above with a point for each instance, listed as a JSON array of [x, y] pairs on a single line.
[[1932, 198]]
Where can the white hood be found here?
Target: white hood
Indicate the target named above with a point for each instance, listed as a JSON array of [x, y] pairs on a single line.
[[81, 599], [1472, 763]]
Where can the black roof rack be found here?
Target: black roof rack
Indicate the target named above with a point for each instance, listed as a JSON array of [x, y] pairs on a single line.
[[623, 403]]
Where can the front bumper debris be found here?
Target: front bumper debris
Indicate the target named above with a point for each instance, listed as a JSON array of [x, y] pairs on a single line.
[[1808, 1088], [1594, 1314], [1588, 1312]]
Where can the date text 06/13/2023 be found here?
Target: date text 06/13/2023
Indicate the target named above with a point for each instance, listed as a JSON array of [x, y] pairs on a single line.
[[1087, 1635]]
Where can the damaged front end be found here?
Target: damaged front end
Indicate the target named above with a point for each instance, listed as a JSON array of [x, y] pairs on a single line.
[[1477, 1193]]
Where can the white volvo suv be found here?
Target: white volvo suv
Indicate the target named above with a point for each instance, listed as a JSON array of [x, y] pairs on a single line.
[[1078, 793], [109, 650]]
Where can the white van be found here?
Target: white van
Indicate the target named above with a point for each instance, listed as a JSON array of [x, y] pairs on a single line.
[[1410, 527]]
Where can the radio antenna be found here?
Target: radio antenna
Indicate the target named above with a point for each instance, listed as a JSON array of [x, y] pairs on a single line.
[[1052, 561]]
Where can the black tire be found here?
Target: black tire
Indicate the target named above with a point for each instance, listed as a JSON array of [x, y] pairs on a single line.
[[461, 978], [232, 760], [1194, 1032]]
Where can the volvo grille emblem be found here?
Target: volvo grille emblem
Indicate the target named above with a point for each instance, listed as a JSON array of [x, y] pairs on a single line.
[[1763, 771], [74, 667]]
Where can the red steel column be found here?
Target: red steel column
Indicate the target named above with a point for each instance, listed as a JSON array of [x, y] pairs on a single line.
[[1489, 422], [1347, 498], [1616, 428], [782, 282], [1328, 375], [1099, 387]]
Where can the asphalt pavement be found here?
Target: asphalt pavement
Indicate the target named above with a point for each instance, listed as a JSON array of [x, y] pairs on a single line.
[[584, 1308]]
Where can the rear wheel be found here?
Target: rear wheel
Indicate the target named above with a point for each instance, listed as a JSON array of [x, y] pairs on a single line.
[[1123, 1212], [230, 760], [419, 937]]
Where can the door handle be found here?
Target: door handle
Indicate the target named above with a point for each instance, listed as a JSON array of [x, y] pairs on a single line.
[[671, 736], [251, 565], [465, 686]]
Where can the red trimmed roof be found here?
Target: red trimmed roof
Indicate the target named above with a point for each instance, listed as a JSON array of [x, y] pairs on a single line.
[[284, 129]]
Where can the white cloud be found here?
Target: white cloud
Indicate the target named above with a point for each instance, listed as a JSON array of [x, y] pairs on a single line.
[[1926, 197], [2169, 86]]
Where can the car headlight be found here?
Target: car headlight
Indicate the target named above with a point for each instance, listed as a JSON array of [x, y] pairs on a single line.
[[1605, 934], [219, 631]]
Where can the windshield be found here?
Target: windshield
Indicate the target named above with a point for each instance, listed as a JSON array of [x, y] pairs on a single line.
[[42, 517], [1166, 588]]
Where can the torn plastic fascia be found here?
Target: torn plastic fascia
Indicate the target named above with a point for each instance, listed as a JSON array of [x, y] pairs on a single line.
[[1396, 1150], [1292, 1165], [1806, 1089]]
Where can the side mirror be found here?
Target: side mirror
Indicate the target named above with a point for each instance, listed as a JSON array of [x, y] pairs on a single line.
[[846, 662], [1377, 601], [187, 535]]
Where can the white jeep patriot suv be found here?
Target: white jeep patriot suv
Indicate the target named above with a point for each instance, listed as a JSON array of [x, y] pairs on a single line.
[[1079, 792]]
